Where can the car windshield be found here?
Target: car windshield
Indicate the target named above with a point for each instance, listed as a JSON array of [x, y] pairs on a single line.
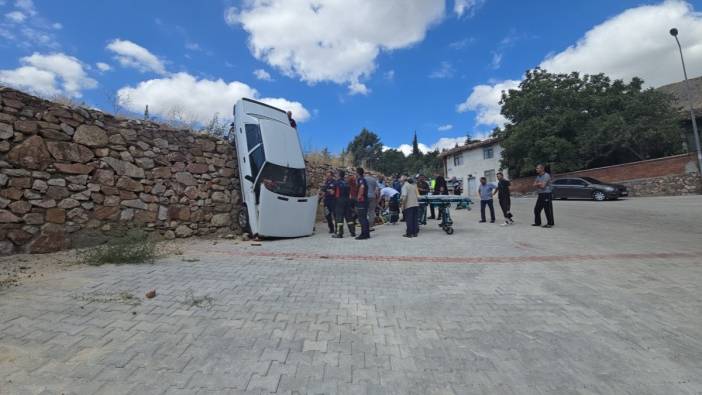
[[592, 180], [284, 180]]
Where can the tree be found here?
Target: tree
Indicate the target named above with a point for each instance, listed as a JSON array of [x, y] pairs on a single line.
[[146, 112], [365, 148], [215, 126], [391, 161], [574, 122], [416, 153]]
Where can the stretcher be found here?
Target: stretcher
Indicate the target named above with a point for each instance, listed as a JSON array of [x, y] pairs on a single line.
[[443, 203]]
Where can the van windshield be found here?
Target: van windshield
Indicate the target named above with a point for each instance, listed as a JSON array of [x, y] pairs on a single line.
[[284, 180]]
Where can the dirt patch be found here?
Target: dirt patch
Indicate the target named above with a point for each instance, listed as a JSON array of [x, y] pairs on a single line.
[[17, 269]]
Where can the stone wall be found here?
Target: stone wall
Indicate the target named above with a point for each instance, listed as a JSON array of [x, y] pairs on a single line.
[[672, 175], [75, 177]]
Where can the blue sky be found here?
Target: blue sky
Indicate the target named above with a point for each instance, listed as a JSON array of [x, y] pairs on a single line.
[[394, 66]]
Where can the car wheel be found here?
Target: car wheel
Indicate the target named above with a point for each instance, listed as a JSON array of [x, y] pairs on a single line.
[[244, 219], [599, 196]]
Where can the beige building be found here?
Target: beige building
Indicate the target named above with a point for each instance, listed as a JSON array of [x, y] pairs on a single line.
[[471, 161]]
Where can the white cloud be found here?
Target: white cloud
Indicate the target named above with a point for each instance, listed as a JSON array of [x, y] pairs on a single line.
[[441, 144], [32, 79], [103, 66], [445, 71], [485, 100], [389, 75], [496, 62], [467, 7], [196, 100], [263, 75], [129, 54], [26, 6], [57, 26], [444, 128], [41, 73], [357, 88], [16, 16], [332, 39], [634, 43]]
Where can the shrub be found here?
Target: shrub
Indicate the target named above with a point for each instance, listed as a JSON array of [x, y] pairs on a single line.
[[134, 247]]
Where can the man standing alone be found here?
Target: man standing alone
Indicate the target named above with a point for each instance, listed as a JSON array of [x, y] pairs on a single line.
[[362, 205], [485, 191], [545, 199], [502, 192]]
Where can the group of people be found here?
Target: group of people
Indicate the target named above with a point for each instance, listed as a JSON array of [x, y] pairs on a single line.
[[347, 199], [544, 202], [356, 197]]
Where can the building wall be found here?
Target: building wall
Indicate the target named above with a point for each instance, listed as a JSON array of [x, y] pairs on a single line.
[[475, 165], [672, 175]]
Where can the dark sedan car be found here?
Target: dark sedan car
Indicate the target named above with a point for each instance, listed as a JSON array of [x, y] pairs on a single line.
[[587, 188]]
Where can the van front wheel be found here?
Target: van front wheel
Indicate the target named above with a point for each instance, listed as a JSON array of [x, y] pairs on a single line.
[[244, 223]]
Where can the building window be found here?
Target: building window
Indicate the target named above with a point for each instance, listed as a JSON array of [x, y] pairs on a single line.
[[490, 175], [488, 153], [458, 160]]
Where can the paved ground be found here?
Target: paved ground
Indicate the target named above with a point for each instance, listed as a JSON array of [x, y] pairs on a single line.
[[607, 302]]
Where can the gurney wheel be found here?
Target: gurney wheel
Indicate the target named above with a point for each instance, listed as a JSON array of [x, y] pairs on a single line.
[[449, 230]]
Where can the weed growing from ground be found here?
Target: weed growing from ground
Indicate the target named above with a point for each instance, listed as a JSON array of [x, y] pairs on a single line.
[[134, 247]]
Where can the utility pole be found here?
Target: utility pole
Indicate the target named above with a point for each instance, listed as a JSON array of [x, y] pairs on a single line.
[[674, 33]]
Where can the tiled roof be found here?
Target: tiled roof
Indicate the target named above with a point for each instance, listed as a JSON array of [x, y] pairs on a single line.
[[468, 147]]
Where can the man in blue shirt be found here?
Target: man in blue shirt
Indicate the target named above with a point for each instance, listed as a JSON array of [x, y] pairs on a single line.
[[362, 205], [545, 199], [485, 191]]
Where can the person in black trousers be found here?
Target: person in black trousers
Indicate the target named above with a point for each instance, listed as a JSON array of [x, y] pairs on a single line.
[[362, 205], [330, 200], [485, 191], [545, 200], [502, 192], [440, 188]]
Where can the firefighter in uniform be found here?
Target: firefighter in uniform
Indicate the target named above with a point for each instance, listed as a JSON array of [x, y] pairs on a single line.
[[330, 200], [343, 210]]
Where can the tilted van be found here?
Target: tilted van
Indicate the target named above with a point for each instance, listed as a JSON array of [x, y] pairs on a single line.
[[272, 173]]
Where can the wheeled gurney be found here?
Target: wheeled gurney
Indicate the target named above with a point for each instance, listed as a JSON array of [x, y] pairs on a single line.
[[443, 203]]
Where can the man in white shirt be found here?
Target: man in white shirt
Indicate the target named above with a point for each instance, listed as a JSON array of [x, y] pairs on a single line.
[[392, 197]]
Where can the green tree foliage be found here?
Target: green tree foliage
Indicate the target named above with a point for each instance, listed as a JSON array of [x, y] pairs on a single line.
[[366, 148], [574, 122]]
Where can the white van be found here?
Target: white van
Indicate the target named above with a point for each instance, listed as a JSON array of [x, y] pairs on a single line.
[[272, 173]]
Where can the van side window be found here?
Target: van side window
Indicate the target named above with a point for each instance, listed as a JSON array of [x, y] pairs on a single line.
[[256, 159], [253, 136]]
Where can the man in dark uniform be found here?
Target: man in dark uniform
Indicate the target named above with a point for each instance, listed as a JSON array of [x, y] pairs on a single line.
[[343, 207], [440, 188], [423, 189], [362, 205], [330, 200], [502, 192]]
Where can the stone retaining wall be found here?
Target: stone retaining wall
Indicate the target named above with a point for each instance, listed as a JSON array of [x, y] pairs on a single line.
[[75, 176]]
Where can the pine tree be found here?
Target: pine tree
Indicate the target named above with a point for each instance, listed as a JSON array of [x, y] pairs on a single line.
[[146, 112], [415, 146]]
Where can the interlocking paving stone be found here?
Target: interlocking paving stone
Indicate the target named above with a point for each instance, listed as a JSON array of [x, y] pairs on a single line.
[[619, 314]]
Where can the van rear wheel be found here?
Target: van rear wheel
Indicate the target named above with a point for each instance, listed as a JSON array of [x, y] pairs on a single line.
[[244, 223]]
